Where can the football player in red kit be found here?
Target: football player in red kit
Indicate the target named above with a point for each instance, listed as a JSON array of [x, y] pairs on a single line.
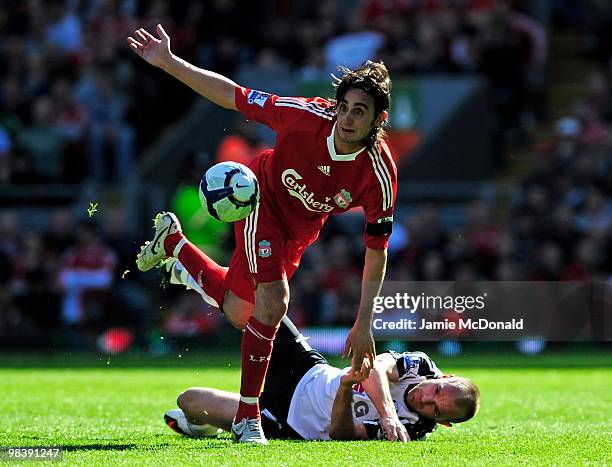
[[329, 156]]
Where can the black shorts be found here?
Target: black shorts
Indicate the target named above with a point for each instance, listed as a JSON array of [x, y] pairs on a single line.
[[291, 359]]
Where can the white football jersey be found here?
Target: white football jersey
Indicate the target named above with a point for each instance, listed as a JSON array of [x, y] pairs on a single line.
[[313, 399]]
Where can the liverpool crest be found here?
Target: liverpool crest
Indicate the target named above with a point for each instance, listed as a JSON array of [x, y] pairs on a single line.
[[265, 249], [343, 199]]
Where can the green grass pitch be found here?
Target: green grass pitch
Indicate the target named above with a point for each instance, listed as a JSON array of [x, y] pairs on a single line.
[[545, 410]]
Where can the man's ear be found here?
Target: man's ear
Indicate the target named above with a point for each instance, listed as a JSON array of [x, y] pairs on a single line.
[[382, 118], [446, 423], [448, 376]]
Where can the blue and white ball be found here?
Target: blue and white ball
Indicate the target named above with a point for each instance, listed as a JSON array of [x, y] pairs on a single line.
[[229, 191]]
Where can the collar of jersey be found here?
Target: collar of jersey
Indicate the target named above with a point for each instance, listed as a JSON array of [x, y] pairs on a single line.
[[332, 149]]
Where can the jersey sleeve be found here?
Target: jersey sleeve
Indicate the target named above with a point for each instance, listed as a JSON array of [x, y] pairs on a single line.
[[416, 430], [380, 202], [419, 429], [281, 113], [413, 364]]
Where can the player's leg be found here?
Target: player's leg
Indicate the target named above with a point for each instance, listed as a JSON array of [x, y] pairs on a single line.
[[236, 310], [265, 253], [203, 412], [209, 406], [271, 303], [208, 275], [169, 241]]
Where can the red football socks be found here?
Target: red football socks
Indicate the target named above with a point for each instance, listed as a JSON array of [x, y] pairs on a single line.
[[206, 272], [257, 344]]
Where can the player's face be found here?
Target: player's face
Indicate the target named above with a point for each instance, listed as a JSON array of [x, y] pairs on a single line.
[[355, 120], [435, 399]]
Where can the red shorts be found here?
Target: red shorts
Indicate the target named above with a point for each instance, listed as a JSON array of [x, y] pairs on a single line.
[[263, 254]]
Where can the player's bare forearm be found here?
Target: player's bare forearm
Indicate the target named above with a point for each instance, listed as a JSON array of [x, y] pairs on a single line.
[[360, 340], [377, 386], [374, 269], [342, 426], [213, 86]]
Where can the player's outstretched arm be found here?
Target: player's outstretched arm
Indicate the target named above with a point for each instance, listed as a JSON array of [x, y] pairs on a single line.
[[377, 389], [342, 426], [360, 340], [156, 51]]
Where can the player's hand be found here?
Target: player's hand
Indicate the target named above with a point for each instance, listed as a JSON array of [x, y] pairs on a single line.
[[357, 376], [151, 49], [361, 343], [394, 430]]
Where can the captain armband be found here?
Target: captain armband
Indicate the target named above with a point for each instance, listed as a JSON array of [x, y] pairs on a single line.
[[383, 226]]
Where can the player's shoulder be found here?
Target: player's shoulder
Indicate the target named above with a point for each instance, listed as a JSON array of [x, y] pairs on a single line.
[[381, 152], [316, 107], [319, 102], [415, 364], [382, 181]]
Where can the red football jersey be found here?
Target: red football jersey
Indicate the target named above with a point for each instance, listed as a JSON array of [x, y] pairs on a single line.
[[304, 181]]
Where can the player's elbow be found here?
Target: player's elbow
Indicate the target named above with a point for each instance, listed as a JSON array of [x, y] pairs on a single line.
[[343, 433], [228, 97]]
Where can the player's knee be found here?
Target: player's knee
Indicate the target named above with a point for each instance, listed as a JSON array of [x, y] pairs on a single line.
[[272, 299], [237, 310], [187, 400]]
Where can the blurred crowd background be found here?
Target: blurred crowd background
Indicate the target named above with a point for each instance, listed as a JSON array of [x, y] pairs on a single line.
[[78, 109]]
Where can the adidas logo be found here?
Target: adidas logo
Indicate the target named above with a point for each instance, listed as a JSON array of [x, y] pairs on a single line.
[[324, 169]]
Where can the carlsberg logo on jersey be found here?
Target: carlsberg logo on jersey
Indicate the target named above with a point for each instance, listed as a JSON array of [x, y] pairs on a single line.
[[290, 179]]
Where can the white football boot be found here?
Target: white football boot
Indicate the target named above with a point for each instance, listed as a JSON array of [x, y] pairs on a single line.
[[151, 253], [177, 421], [249, 430]]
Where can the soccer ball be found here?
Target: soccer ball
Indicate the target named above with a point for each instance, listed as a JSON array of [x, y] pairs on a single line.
[[229, 191]]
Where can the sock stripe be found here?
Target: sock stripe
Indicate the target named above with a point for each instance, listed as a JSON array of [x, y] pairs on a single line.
[[256, 333], [249, 400], [178, 247], [191, 283]]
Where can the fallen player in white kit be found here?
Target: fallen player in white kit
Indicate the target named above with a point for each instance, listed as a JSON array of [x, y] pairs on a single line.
[[403, 397]]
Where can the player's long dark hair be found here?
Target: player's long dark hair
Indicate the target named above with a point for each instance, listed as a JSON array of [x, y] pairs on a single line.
[[373, 79]]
